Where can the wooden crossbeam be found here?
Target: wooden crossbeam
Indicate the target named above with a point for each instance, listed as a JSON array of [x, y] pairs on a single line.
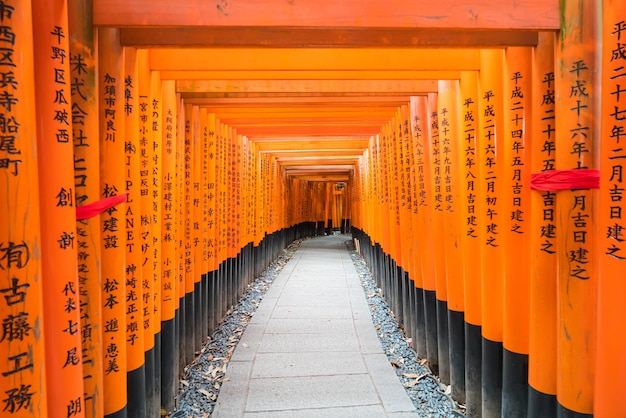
[[318, 59], [307, 86], [449, 14], [281, 37], [312, 143], [261, 102], [310, 75]]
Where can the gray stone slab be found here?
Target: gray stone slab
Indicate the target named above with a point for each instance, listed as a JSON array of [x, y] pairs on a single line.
[[387, 385], [231, 400], [311, 326], [317, 281], [315, 291], [249, 343], [312, 312], [299, 343], [371, 411], [307, 364], [321, 302], [275, 394], [366, 334]]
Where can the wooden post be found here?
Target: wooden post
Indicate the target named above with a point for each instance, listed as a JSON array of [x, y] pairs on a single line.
[[472, 206], [144, 82], [577, 136], [439, 267], [543, 319], [418, 126], [516, 230], [423, 131], [212, 220], [188, 235], [134, 257], [156, 162], [204, 158], [59, 249], [22, 347], [169, 296], [112, 183], [85, 126], [180, 235], [196, 199], [451, 160], [611, 289], [490, 143]]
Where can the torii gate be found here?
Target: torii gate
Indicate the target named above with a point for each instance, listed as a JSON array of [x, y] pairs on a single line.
[[319, 89]]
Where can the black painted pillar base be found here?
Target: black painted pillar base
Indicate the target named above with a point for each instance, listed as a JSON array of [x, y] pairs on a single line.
[[169, 354], [122, 413], [492, 378], [136, 392], [541, 404], [150, 369], [419, 341], [563, 412], [443, 342], [189, 328], [430, 316], [456, 332], [514, 385], [473, 370]]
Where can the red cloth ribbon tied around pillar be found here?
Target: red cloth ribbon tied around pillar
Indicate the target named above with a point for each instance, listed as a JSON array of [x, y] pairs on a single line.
[[96, 208], [565, 179]]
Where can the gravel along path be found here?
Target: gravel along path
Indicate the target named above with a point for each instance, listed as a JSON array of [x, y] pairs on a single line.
[[200, 385]]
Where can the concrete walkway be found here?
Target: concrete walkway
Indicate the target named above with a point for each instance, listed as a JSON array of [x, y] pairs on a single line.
[[311, 349]]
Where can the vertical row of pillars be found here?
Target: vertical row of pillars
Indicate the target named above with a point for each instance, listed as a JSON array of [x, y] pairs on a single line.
[[496, 240], [133, 220]]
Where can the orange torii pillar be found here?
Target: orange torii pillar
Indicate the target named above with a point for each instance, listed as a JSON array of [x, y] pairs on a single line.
[[403, 238], [23, 376], [144, 79], [180, 234], [112, 183], [211, 222], [59, 260], [516, 230], [470, 242], [543, 322], [451, 160], [491, 175], [156, 139], [611, 347], [422, 127], [203, 157], [406, 161], [577, 135], [394, 244], [187, 212], [222, 217], [437, 209], [418, 125], [85, 130], [134, 257], [169, 247], [197, 234]]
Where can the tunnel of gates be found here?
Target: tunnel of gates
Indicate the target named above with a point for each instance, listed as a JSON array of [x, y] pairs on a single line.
[[133, 217]]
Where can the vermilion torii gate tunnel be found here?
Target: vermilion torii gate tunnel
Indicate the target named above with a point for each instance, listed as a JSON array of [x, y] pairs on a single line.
[[155, 156]]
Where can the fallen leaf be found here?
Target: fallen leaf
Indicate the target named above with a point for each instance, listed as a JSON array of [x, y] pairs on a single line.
[[185, 383], [411, 375], [395, 364]]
